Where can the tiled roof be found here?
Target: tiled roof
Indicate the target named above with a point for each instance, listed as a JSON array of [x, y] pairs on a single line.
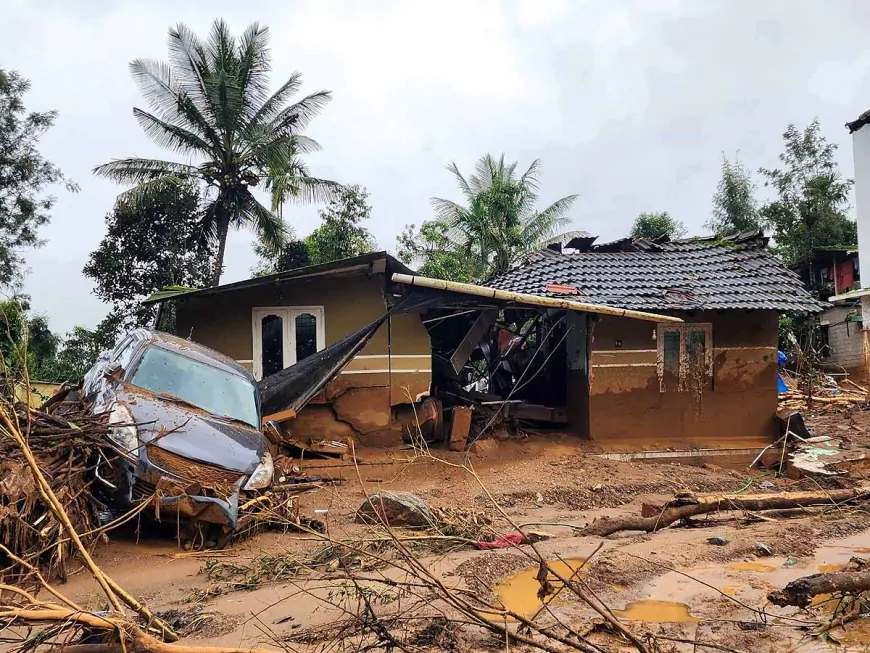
[[697, 274]]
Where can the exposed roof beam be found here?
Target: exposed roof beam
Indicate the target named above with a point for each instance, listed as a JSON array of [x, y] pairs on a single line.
[[531, 300]]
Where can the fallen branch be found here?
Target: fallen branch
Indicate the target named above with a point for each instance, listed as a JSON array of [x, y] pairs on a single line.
[[681, 508], [113, 592], [800, 592]]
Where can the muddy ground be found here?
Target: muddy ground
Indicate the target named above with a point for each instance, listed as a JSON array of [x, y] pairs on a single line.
[[673, 583]]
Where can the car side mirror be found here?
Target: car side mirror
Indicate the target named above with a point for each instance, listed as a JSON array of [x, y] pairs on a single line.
[[111, 368]]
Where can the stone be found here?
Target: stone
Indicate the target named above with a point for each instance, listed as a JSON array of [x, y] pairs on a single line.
[[486, 447], [762, 549], [791, 561], [396, 509], [766, 485], [718, 541]]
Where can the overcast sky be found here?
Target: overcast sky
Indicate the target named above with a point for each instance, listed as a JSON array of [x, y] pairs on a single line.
[[628, 104]]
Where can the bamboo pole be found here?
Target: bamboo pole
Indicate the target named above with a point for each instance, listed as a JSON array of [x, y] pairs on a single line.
[[523, 298]]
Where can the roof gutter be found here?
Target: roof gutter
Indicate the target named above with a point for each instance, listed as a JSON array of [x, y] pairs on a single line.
[[532, 300]]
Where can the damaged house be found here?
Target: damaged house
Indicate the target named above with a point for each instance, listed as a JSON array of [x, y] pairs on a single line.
[[706, 382], [666, 343], [272, 322]]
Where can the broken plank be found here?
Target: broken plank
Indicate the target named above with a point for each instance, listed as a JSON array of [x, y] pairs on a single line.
[[281, 416]]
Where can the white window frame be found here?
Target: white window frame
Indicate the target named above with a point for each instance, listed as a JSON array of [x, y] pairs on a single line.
[[683, 330], [288, 316]]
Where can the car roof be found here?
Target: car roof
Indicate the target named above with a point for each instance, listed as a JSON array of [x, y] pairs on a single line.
[[194, 350]]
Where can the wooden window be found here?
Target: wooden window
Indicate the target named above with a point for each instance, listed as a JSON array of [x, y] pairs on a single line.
[[285, 335], [685, 357]]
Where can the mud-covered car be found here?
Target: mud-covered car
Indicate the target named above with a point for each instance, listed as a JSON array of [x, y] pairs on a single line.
[[186, 422]]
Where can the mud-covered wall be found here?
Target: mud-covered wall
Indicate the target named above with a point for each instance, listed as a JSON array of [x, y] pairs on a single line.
[[395, 364], [627, 405]]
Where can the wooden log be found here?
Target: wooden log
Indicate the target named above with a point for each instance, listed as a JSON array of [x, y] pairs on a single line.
[[800, 592], [691, 506], [768, 499]]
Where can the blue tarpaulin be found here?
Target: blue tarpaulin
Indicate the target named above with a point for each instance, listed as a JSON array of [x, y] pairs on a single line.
[[780, 384]]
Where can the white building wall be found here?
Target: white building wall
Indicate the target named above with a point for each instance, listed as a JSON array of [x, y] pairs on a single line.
[[845, 339], [861, 148]]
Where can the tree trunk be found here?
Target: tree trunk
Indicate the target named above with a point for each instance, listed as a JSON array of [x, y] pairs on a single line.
[[800, 592], [223, 231], [664, 515]]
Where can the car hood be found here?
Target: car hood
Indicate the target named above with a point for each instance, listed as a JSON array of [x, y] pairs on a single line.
[[193, 433]]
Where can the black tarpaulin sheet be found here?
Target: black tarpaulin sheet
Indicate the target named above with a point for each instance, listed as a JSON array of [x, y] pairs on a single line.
[[294, 386]]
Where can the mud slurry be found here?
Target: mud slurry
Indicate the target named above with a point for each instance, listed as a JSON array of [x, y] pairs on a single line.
[[654, 611], [519, 592]]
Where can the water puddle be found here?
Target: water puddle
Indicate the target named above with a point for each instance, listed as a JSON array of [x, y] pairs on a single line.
[[519, 593], [653, 611], [826, 569], [752, 566]]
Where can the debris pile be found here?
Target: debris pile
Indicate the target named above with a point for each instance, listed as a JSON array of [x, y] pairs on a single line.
[[819, 388], [67, 445]]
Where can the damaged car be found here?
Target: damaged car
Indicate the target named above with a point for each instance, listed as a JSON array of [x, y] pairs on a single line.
[[186, 422]]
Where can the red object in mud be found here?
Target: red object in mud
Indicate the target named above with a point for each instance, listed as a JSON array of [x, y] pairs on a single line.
[[502, 542]]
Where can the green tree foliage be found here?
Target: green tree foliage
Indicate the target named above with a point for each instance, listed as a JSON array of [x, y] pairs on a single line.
[[735, 208], [211, 103], [24, 175], [812, 197], [49, 357], [79, 350], [293, 254], [432, 249], [341, 233], [19, 328], [655, 225], [495, 226], [150, 244]]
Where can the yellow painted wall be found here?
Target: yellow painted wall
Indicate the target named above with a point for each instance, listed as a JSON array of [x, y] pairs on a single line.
[[223, 322]]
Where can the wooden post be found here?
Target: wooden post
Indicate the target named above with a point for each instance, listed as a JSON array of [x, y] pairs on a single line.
[[459, 428]]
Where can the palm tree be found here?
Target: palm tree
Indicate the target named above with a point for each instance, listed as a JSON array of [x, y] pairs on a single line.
[[498, 224], [211, 103]]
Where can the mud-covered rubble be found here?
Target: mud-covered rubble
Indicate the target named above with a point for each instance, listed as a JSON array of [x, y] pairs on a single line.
[[670, 583]]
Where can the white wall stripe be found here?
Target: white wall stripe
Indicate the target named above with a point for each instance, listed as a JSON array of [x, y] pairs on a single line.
[[358, 357], [623, 351], [386, 371], [744, 348]]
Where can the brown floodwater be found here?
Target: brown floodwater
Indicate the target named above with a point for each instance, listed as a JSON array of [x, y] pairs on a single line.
[[519, 593], [750, 565], [653, 611], [826, 569]]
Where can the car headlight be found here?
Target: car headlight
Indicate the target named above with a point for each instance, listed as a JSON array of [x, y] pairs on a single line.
[[261, 477], [125, 435]]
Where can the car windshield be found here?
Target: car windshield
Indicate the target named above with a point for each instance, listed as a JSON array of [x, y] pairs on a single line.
[[214, 390]]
